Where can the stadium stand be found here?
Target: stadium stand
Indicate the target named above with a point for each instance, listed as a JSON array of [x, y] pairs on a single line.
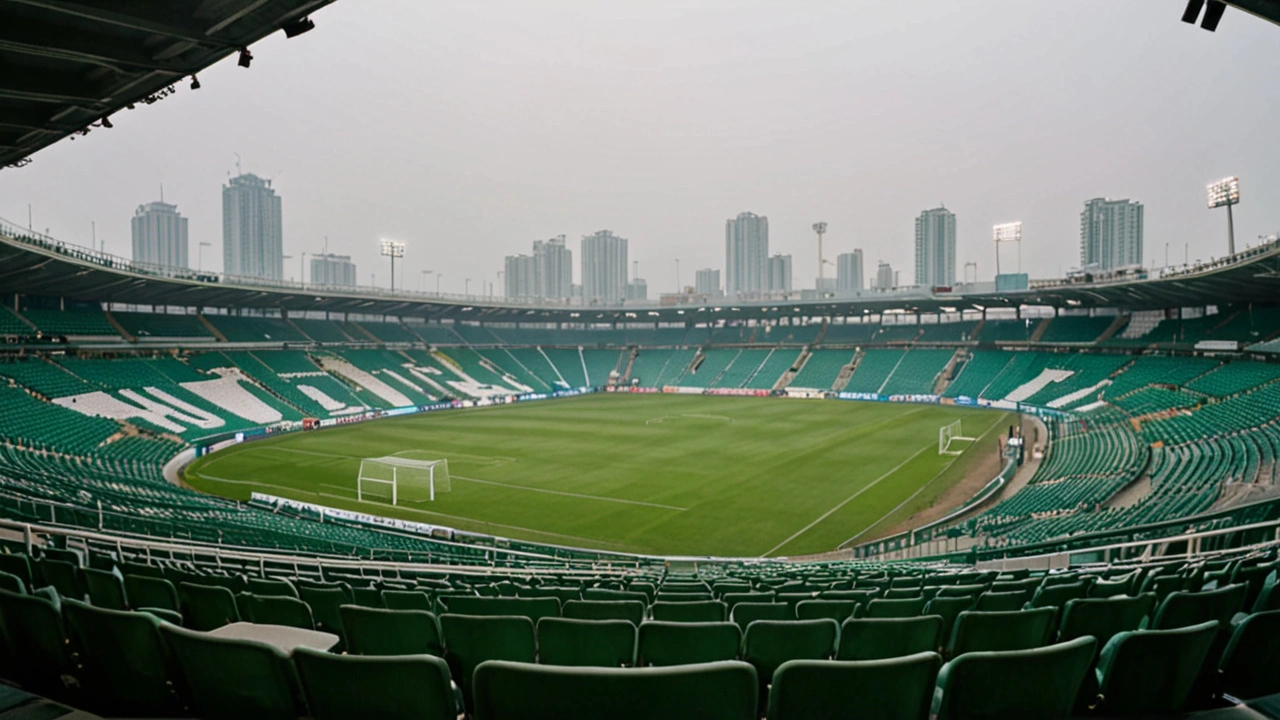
[[821, 369]]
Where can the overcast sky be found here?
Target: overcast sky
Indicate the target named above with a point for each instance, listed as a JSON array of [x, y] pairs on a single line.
[[469, 129]]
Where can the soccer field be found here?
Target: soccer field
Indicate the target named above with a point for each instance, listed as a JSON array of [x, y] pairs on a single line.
[[665, 474]]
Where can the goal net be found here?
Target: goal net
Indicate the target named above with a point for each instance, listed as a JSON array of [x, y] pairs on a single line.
[[948, 434], [397, 480]]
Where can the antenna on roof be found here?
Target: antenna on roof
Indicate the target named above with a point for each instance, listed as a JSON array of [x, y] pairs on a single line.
[[237, 162], [161, 192]]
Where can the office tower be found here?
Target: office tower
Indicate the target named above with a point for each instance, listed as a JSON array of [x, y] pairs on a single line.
[[779, 275], [520, 277], [707, 282], [936, 248], [884, 276], [849, 271], [553, 270], [1110, 234], [160, 235], [330, 269], [746, 243], [604, 267], [252, 229], [638, 289]]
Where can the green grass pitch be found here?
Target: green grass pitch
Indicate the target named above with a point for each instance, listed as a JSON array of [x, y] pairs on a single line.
[[665, 474]]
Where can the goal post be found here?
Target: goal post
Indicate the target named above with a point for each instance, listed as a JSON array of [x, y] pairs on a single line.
[[949, 433], [397, 480]]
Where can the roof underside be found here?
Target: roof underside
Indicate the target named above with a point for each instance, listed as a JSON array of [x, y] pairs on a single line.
[[35, 270], [66, 64]]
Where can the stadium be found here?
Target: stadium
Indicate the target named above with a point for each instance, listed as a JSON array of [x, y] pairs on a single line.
[[226, 497]]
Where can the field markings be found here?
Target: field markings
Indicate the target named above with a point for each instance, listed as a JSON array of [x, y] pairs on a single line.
[[848, 500], [914, 495], [569, 494], [694, 416]]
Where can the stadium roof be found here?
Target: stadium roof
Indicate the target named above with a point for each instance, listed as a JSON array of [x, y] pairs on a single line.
[[38, 266], [67, 64]]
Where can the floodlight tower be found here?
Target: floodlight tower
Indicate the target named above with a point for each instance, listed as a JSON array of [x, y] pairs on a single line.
[[1226, 192], [1007, 233], [393, 249], [821, 229]]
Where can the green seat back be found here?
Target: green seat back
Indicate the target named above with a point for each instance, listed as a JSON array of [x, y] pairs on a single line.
[[406, 600], [630, 610], [748, 612], [266, 587], [904, 593], [32, 624], [969, 590], [207, 607], [1251, 662], [897, 689], [1152, 671], [1181, 609], [150, 592], [105, 589], [62, 576], [342, 687], [533, 608], [882, 638], [325, 604], [607, 594], [234, 679], [594, 643], [767, 644], [563, 594], [733, 598], [1059, 594], [1002, 601], [948, 608], [12, 583], [680, 643], [519, 691], [1110, 588], [1104, 618], [1013, 685], [705, 611], [17, 564], [883, 608], [997, 631], [279, 610], [126, 666], [838, 610], [369, 597], [373, 631], [470, 640]]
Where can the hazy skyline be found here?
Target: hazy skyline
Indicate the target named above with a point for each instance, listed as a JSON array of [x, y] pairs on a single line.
[[469, 130]]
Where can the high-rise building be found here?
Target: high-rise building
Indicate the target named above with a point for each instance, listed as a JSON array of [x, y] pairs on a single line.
[[746, 251], [553, 269], [604, 267], [849, 271], [330, 269], [252, 229], [1110, 234], [707, 282], [638, 289], [884, 276], [779, 277], [936, 248], [520, 277], [160, 235]]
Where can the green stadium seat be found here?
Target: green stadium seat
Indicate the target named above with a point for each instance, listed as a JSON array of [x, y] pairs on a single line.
[[17, 564], [279, 610], [967, 590], [1110, 588], [606, 594], [1041, 683], [369, 597], [374, 631], [705, 611], [991, 601], [207, 607], [471, 640], [630, 610], [12, 583], [910, 593], [683, 596], [1181, 609], [519, 691], [884, 638], [881, 608], [266, 587], [767, 644], [61, 576], [899, 688], [1001, 631], [33, 629], [563, 594], [948, 608], [587, 643], [151, 592], [681, 643], [325, 605], [232, 679], [838, 610], [408, 687], [125, 664], [407, 600], [745, 613], [733, 598], [1058, 595], [533, 608], [105, 589], [1250, 665], [1268, 596], [1103, 618], [1152, 671]]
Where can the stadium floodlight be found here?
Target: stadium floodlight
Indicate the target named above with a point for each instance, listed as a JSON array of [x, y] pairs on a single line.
[[298, 27], [1010, 232], [1226, 192], [393, 249], [821, 229]]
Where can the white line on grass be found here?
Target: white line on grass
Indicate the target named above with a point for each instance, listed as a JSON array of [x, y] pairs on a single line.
[[847, 500], [569, 494]]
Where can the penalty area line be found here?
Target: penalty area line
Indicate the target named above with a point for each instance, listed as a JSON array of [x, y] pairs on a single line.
[[847, 500], [570, 494]]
